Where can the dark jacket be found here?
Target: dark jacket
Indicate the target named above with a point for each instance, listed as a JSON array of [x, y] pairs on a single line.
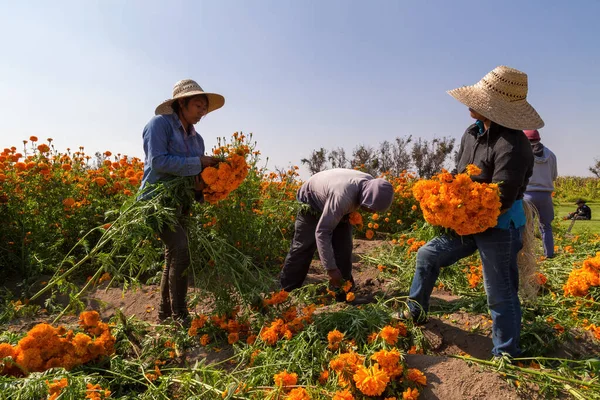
[[584, 212], [504, 156]]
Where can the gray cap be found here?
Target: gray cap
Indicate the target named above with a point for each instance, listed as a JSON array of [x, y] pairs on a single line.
[[377, 195]]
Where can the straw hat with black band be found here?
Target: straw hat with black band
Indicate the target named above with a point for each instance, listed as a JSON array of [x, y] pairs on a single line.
[[189, 88], [501, 96]]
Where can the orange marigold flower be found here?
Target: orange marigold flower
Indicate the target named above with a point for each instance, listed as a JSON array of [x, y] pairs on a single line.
[[390, 334], [417, 376], [473, 169], [285, 378], [582, 279], [343, 395], [322, 378], [355, 218], [55, 387], [204, 339], [347, 286], [371, 381], [372, 337], [346, 362], [276, 298], [43, 148], [298, 394], [105, 277], [334, 338], [233, 338], [33, 138], [410, 394], [541, 279], [100, 181], [369, 234], [68, 202], [89, 318], [350, 296]]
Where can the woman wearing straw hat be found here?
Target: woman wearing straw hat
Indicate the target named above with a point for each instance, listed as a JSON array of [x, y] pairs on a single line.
[[173, 148], [496, 144]]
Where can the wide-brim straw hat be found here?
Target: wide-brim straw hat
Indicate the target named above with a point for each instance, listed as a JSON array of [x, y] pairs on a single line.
[[501, 96], [188, 88]]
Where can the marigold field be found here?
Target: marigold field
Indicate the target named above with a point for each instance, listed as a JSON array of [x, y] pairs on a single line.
[[80, 261]]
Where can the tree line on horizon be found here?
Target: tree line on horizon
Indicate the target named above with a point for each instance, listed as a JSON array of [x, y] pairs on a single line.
[[425, 157]]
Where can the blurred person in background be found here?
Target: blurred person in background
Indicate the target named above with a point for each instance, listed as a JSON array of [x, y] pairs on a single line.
[[540, 188]]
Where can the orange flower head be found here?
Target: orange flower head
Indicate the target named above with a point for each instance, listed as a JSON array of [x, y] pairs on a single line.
[[371, 381], [417, 376], [285, 378], [410, 394], [390, 334], [204, 339], [473, 169], [355, 218], [334, 338], [297, 394], [343, 395], [233, 338]]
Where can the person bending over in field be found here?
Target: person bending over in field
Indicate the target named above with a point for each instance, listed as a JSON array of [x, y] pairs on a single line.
[[173, 148], [322, 223], [497, 145]]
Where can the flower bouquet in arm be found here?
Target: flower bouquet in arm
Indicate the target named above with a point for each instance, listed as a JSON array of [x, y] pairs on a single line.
[[459, 203], [229, 173]]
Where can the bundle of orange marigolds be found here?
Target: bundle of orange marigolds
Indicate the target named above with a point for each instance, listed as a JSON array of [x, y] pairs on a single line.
[[229, 173], [459, 203], [47, 347]]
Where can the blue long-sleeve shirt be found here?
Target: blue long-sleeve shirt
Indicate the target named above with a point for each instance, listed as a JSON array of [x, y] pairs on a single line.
[[169, 151]]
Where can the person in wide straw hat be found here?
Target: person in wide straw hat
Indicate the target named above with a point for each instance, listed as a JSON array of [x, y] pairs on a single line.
[[173, 148], [497, 145]]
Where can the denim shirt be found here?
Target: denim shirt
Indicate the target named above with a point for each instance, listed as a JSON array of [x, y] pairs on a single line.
[[169, 151]]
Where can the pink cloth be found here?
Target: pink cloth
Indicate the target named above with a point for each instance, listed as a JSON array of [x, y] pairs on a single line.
[[532, 135]]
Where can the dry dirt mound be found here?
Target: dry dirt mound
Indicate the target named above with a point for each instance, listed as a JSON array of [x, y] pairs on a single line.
[[142, 302], [454, 379]]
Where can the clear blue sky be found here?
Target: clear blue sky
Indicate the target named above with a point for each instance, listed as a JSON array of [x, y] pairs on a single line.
[[300, 74]]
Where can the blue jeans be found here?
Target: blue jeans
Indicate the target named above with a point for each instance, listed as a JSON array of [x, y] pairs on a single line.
[[498, 249], [543, 202]]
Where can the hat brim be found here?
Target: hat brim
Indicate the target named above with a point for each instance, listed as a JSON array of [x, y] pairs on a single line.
[[518, 115], [215, 101]]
